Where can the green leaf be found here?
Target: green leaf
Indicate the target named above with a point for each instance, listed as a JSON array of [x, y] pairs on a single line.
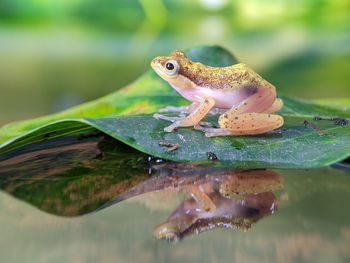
[[296, 145]]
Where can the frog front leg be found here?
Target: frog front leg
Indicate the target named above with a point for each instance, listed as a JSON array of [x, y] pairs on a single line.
[[202, 109], [182, 110], [249, 118]]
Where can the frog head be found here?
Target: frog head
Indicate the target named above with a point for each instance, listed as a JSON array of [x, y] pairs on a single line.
[[171, 68]]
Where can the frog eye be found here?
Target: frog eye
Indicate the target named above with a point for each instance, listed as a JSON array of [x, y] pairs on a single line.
[[171, 67]]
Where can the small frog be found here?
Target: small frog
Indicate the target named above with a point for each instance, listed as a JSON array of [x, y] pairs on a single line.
[[244, 100]]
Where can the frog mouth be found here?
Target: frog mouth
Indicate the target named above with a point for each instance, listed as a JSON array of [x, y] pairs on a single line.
[[158, 68], [155, 65]]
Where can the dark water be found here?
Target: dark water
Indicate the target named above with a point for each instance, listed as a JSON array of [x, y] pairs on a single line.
[[89, 199]]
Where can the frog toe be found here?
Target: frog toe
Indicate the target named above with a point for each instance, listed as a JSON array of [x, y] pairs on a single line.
[[276, 106], [172, 127]]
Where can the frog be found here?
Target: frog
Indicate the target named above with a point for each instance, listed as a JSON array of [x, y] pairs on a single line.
[[245, 102]]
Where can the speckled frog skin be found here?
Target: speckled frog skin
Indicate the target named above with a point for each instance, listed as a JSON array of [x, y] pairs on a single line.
[[244, 100]]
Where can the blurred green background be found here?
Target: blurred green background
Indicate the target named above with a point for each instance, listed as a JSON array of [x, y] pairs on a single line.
[[58, 53]]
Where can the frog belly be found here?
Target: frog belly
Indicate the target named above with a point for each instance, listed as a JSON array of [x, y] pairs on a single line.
[[225, 99]]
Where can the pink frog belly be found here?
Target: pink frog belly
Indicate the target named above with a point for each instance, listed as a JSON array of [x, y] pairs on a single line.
[[224, 99]]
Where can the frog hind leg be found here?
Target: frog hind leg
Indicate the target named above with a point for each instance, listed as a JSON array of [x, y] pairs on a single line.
[[249, 117], [195, 116], [251, 123], [244, 124]]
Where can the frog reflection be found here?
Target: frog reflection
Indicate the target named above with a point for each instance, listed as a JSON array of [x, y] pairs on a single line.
[[228, 200], [190, 217], [219, 197]]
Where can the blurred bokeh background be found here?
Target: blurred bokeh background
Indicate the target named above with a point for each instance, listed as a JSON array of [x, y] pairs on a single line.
[[58, 53]]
